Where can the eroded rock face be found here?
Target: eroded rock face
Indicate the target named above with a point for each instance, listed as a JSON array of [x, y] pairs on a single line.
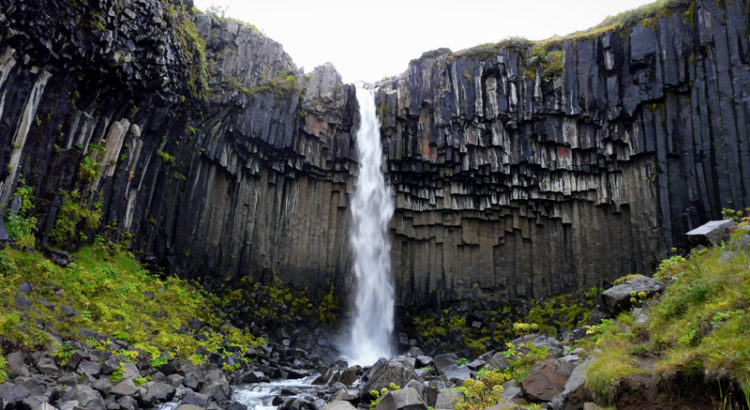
[[510, 182], [216, 169], [514, 182]]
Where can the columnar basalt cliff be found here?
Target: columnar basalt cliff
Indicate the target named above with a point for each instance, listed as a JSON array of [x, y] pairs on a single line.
[[196, 135], [520, 170], [524, 170]]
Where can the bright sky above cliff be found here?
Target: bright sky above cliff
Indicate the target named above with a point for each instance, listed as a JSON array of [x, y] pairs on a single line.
[[374, 39]]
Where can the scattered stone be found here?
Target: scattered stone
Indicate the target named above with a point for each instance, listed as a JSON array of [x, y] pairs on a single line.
[[192, 380], [457, 374], [511, 390], [127, 402], [89, 367], [338, 405], [130, 371], [44, 406], [423, 361], [25, 288], [712, 233], [442, 361], [85, 396], [22, 301], [575, 393], [397, 370], [69, 311], [545, 380], [725, 257], [404, 399], [90, 334], [103, 384], [521, 345], [498, 361], [16, 365], [44, 302], [446, 400], [124, 388], [189, 407], [197, 399], [155, 392], [47, 366], [597, 315], [427, 393], [175, 379], [617, 298]]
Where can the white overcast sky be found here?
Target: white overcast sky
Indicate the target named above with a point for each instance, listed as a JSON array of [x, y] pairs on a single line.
[[370, 40]]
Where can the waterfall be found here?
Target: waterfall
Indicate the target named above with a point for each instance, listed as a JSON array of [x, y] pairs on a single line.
[[372, 208]]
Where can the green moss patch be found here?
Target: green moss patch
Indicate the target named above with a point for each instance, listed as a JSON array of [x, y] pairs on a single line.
[[697, 332], [106, 290]]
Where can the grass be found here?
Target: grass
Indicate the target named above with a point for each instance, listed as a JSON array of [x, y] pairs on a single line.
[[550, 316], [699, 329], [115, 296], [615, 363], [551, 63]]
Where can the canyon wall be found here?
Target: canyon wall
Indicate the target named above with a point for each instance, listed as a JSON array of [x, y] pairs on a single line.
[[196, 135], [520, 170], [527, 170]]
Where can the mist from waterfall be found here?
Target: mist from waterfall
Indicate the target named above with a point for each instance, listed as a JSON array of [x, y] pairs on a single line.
[[372, 208]]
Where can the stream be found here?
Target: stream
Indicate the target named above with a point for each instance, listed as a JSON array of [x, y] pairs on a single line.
[[259, 396]]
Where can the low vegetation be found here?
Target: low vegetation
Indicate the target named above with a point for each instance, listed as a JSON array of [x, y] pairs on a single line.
[[698, 331], [106, 290], [503, 322]]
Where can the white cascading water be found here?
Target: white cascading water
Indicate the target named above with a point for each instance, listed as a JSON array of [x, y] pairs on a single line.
[[372, 209]]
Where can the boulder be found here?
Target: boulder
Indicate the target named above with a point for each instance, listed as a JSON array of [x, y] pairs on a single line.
[[175, 379], [22, 301], [155, 392], [298, 403], [545, 380], [198, 399], [103, 384], [511, 391], [498, 361], [127, 403], [124, 388], [522, 344], [575, 394], [444, 360], [85, 396], [16, 365], [44, 406], [47, 366], [712, 233], [89, 367], [617, 298], [189, 407], [426, 392], [338, 405], [447, 399], [405, 399], [130, 371], [457, 374], [397, 370]]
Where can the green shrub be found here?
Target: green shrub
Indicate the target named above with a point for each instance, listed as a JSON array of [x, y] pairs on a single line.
[[484, 390], [21, 227], [63, 354]]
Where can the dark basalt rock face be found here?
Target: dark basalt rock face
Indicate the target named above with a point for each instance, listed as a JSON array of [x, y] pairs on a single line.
[[514, 182], [202, 139], [219, 167]]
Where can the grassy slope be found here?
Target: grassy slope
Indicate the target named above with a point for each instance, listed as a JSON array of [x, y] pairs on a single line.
[[113, 295], [698, 331], [646, 14]]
